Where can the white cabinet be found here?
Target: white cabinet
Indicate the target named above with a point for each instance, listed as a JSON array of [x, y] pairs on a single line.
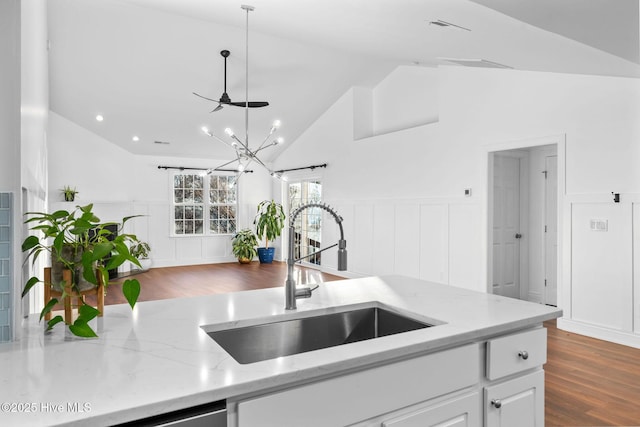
[[358, 396], [458, 412], [446, 388], [517, 402]]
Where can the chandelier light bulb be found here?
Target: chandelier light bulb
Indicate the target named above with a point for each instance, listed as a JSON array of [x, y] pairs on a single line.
[[279, 140], [99, 117], [276, 124], [205, 130], [229, 132], [240, 167]]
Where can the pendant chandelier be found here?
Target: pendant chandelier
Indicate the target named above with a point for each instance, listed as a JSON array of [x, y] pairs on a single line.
[[245, 155]]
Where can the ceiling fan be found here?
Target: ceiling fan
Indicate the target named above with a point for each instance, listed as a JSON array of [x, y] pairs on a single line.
[[224, 99]]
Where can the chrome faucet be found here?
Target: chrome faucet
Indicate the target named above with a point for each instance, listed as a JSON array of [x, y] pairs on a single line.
[[293, 292]]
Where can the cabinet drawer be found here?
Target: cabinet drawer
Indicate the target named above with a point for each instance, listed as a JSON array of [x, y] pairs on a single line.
[[362, 395], [459, 412], [515, 353]]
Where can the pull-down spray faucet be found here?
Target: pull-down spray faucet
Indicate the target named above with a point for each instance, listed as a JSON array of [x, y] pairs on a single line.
[[293, 292]]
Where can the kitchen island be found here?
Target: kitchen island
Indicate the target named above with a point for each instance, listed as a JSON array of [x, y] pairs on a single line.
[[159, 359]]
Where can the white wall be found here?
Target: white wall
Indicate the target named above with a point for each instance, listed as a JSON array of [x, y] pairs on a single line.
[[34, 118], [402, 191], [121, 184]]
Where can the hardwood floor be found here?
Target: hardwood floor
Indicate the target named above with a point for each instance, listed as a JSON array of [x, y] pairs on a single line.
[[588, 382]]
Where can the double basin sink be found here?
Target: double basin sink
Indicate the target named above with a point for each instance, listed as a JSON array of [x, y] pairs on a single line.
[[273, 339]]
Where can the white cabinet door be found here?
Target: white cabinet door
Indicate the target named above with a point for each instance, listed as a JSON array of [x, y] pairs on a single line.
[[461, 412], [517, 402]]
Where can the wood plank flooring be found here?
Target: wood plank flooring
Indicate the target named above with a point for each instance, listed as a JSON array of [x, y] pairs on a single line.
[[589, 382]]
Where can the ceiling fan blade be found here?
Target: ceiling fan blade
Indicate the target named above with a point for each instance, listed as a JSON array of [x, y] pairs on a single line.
[[252, 104], [204, 97], [218, 108]]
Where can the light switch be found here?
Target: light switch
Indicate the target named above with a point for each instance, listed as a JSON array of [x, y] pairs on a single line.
[[599, 225]]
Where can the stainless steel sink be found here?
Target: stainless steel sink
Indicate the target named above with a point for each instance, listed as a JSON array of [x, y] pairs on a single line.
[[265, 341]]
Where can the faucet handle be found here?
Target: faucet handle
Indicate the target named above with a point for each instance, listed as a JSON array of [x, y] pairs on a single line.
[[304, 291]]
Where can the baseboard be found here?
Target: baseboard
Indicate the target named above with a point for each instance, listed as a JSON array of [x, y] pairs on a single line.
[[619, 337]]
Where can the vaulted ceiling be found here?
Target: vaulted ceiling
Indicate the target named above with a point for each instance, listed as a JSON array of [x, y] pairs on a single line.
[[137, 62]]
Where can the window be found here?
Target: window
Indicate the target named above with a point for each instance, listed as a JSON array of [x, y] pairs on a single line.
[[308, 225], [204, 204]]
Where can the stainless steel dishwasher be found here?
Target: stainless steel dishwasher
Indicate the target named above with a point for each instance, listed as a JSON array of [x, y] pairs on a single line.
[[207, 415]]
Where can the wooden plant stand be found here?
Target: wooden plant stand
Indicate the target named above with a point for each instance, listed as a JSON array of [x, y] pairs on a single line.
[[50, 292]]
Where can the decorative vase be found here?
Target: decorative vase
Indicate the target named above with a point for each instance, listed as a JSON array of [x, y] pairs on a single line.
[[265, 255]]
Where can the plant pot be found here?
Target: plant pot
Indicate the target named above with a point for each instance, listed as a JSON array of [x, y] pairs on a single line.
[[57, 266], [69, 197], [244, 260], [265, 255]]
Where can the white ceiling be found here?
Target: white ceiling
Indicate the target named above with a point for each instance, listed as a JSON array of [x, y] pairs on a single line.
[[137, 61]]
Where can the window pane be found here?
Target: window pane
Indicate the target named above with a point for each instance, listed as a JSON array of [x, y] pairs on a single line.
[[179, 227], [179, 212], [188, 181], [199, 227], [188, 196], [188, 212], [178, 181], [213, 212], [232, 226], [198, 212], [198, 181], [178, 196], [188, 227], [197, 196]]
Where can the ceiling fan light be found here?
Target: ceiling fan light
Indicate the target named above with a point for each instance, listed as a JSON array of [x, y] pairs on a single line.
[[229, 132]]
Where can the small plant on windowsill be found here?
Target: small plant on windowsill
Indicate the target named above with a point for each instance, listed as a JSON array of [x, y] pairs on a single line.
[[69, 193]]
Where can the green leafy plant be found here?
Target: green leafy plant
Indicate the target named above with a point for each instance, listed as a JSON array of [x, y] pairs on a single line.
[[269, 220], [140, 250], [69, 193], [87, 248], [244, 244]]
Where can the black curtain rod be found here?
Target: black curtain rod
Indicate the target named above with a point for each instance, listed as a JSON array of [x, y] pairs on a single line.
[[324, 165], [183, 168]]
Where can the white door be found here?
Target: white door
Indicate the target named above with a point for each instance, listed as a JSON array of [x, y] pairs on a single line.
[[506, 226], [551, 231]]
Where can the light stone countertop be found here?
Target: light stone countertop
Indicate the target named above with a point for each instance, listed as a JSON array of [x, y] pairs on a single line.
[[158, 359]]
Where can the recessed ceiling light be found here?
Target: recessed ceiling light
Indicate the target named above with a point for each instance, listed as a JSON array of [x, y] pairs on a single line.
[[99, 117], [441, 23], [135, 138]]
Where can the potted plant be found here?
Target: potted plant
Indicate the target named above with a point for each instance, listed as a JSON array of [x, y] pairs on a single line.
[[77, 241], [269, 222], [140, 250], [243, 245], [69, 193]]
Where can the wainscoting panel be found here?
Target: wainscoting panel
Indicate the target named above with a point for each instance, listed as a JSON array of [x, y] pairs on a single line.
[[434, 243], [601, 265], [360, 248], [383, 240], [407, 240]]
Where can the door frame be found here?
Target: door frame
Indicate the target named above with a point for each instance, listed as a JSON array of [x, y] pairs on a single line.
[[488, 151]]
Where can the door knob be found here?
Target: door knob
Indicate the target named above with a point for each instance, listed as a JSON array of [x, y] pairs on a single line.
[[524, 354], [497, 403]]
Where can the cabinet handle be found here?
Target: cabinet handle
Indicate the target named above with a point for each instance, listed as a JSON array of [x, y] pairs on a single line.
[[524, 355], [497, 403]]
